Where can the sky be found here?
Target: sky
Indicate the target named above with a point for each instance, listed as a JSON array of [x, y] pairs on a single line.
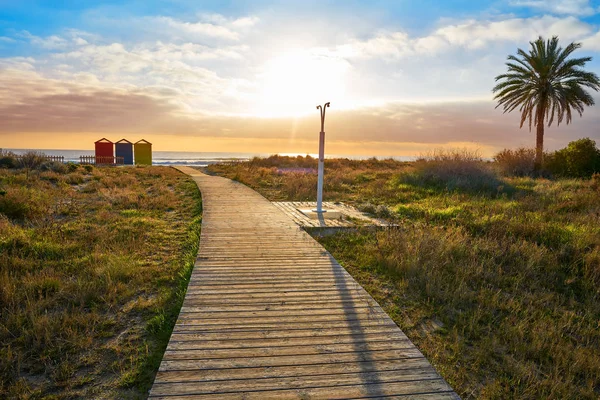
[[403, 77]]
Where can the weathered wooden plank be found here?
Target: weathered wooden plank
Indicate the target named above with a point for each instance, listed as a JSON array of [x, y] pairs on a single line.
[[421, 389], [295, 325], [281, 334], [288, 371], [196, 319], [283, 342], [336, 304], [270, 314], [337, 379], [313, 359], [198, 354]]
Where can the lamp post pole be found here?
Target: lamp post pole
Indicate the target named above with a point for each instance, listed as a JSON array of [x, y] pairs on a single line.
[[321, 159]]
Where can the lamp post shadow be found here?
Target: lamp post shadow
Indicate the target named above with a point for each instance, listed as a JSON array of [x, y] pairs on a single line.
[[360, 342]]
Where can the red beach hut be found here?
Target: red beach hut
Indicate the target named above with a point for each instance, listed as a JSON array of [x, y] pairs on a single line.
[[104, 151]]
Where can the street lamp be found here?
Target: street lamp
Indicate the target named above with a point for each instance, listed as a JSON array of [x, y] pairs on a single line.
[[321, 159]]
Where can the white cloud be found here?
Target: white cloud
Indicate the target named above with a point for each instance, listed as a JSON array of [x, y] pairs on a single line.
[[474, 34], [563, 7], [212, 62], [195, 29], [18, 63], [245, 22], [470, 35], [592, 42], [52, 42], [386, 45]]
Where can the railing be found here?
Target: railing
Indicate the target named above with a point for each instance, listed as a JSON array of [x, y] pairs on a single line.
[[48, 158], [101, 160]]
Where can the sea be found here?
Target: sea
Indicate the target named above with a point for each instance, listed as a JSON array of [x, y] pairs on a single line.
[[195, 159]]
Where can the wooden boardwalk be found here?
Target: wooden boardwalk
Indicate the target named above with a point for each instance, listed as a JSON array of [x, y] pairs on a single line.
[[351, 216], [270, 314]]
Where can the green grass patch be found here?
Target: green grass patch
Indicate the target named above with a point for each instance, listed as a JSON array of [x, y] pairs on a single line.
[[94, 263]]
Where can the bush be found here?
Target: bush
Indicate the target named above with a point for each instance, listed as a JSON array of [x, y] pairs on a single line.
[[367, 208], [382, 211], [518, 162], [24, 203], [596, 181], [54, 166], [454, 169], [580, 159], [7, 159], [556, 163], [72, 166], [31, 160]]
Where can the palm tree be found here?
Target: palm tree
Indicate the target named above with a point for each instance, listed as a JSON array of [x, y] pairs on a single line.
[[545, 84]]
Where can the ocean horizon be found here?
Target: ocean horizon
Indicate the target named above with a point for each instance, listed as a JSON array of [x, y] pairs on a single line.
[[198, 158]]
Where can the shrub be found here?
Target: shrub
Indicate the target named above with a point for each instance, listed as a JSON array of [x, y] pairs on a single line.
[[382, 211], [518, 162], [367, 208], [31, 160], [72, 166], [24, 203], [454, 169], [7, 160], [54, 166], [556, 163], [75, 179], [580, 159], [596, 181]]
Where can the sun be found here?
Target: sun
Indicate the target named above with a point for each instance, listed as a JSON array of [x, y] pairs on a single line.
[[293, 83]]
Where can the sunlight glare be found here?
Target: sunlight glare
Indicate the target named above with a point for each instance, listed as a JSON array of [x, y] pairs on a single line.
[[294, 83]]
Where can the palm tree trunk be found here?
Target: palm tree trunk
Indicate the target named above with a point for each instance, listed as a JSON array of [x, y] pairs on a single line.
[[539, 140]]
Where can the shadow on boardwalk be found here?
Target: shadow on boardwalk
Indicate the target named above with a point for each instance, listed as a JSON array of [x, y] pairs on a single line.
[[369, 375]]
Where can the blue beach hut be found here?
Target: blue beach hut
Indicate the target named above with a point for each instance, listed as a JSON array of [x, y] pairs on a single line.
[[124, 148]]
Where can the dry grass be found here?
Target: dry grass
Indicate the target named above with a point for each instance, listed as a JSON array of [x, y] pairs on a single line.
[[498, 284], [93, 265], [295, 179]]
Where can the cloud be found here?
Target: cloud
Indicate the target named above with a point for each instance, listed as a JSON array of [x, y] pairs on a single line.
[[31, 103], [182, 67], [469, 35], [566, 7], [476, 34], [592, 42], [194, 29]]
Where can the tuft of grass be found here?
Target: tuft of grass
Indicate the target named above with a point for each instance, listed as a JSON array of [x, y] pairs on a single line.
[[91, 281], [454, 170], [517, 162]]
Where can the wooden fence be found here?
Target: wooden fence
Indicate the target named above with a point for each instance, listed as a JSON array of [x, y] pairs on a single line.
[[100, 160], [48, 158]]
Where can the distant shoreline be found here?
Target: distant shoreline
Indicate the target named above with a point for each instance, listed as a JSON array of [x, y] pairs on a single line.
[[198, 159]]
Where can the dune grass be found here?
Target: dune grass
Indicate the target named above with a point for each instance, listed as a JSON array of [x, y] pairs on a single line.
[[94, 263], [497, 282]]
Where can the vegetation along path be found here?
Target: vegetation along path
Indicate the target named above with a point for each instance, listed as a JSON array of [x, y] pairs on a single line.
[[269, 313]]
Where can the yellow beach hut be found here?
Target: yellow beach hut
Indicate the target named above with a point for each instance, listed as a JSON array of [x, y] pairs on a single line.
[[142, 151]]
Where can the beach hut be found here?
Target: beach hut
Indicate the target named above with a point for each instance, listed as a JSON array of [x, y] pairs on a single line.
[[142, 151], [104, 151], [124, 148]]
